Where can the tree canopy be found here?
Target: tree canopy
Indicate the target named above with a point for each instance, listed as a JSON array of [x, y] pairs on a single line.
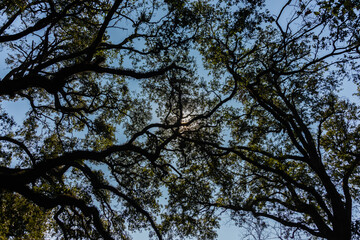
[[159, 115]]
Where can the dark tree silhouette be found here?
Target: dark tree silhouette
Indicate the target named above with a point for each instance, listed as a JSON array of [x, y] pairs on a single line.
[[75, 77], [293, 153], [126, 132]]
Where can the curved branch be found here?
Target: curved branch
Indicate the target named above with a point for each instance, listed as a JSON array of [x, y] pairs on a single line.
[[102, 29], [21, 145], [54, 84], [97, 184], [50, 19], [266, 215], [66, 200], [265, 167]]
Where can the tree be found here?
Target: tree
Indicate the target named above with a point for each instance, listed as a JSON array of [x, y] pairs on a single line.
[[293, 155], [72, 63], [22, 219], [120, 116]]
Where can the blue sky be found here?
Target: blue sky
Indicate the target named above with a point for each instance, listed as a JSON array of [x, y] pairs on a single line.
[[227, 230]]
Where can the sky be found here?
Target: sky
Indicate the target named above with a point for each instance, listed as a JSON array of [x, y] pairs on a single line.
[[227, 230]]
